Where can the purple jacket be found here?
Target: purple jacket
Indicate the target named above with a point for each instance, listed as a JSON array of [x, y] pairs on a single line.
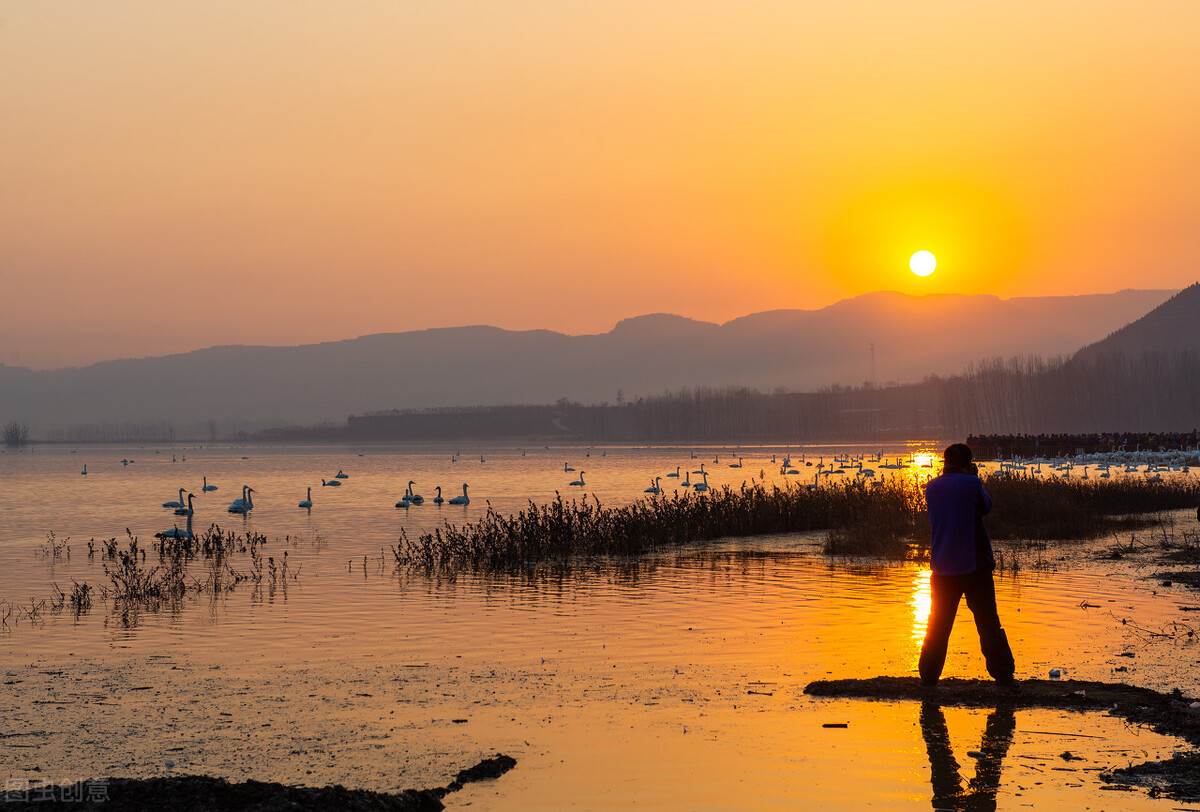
[[957, 503]]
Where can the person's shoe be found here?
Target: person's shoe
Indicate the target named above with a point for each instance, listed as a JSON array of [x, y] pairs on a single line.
[[1009, 684]]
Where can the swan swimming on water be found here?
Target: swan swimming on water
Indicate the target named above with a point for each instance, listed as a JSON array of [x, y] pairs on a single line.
[[185, 511], [341, 475], [655, 486], [307, 501], [437, 500], [413, 498], [178, 503], [331, 483], [245, 504], [206, 488], [702, 486], [462, 500], [674, 475], [578, 483], [84, 471], [238, 502], [176, 533]]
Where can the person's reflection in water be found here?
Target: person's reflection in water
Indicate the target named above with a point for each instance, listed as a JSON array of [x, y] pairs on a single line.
[[980, 793]]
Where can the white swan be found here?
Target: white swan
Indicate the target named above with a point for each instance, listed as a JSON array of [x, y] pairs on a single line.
[[413, 498], [462, 500], [307, 501], [701, 486], [437, 500], [567, 469], [245, 504], [403, 503], [699, 470], [331, 483], [206, 488], [185, 511], [737, 464], [237, 502], [178, 503], [674, 475], [341, 475], [176, 533], [578, 483], [84, 471], [687, 480], [655, 486]]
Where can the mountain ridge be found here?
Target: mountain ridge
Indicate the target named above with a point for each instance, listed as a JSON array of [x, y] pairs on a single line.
[[1170, 327], [885, 336]]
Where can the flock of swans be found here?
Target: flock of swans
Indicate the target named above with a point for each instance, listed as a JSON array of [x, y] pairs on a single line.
[[1152, 465], [862, 467], [184, 504]]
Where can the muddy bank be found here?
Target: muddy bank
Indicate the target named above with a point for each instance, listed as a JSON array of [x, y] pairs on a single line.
[[1177, 777], [1190, 579], [1169, 714], [200, 792]]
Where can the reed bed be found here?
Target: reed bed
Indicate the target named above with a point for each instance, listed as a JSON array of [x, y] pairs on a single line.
[[886, 518], [584, 527], [1030, 507], [195, 565]]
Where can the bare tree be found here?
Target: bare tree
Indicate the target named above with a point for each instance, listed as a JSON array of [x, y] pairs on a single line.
[[16, 434]]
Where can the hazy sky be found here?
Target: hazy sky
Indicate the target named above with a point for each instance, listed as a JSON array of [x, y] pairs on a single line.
[[175, 175]]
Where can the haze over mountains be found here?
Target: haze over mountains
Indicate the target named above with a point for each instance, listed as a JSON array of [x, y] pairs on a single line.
[[1171, 327], [911, 337]]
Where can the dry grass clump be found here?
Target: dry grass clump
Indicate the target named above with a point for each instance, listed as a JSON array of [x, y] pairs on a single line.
[[196, 564]]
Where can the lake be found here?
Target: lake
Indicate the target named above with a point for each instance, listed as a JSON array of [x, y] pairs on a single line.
[[674, 681]]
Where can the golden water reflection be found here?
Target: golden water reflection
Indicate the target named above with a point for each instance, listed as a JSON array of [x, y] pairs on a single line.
[[921, 602]]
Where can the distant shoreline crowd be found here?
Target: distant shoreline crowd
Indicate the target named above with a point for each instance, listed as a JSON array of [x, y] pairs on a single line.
[[1000, 446]]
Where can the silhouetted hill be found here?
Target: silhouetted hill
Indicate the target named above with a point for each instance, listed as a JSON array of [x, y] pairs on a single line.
[[1172, 326], [912, 337]]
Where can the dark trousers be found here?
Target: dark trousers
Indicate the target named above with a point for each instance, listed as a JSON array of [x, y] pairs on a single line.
[[981, 600]]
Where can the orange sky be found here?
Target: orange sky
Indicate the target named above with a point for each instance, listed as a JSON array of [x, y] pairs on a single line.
[[175, 175]]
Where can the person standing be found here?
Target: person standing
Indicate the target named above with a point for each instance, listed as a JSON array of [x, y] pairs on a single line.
[[963, 563]]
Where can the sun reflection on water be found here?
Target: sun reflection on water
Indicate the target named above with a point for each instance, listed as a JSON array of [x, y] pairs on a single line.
[[921, 601]]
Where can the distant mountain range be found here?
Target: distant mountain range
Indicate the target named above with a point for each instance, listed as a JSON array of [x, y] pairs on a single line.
[[1172, 326], [884, 336]]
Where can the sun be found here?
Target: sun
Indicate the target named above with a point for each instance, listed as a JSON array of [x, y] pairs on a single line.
[[922, 263]]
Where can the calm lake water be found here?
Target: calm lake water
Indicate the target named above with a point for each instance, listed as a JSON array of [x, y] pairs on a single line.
[[674, 682]]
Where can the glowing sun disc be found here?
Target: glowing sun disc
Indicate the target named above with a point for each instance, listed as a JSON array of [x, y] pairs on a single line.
[[922, 263]]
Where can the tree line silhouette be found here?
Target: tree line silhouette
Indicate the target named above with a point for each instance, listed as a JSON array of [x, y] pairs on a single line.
[[1113, 393], [1151, 392]]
